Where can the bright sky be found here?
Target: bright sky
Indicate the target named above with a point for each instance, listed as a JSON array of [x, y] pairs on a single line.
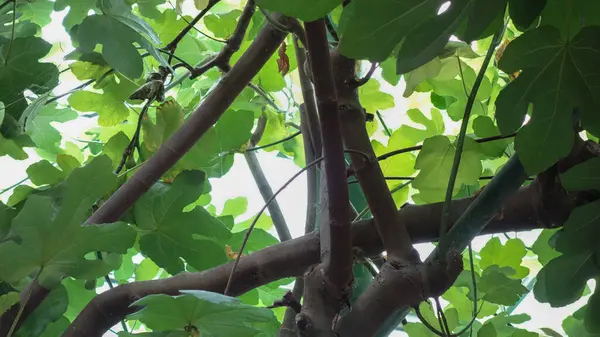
[[239, 180]]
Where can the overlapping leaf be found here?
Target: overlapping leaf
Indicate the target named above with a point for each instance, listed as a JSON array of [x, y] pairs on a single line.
[[206, 313], [21, 70], [306, 10], [435, 162], [52, 241], [557, 76], [169, 234]]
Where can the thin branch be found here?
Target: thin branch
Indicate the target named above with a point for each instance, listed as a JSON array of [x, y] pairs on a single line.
[[283, 140], [463, 131], [261, 92], [12, 31], [173, 44], [419, 147], [253, 224], [312, 119], [386, 130], [331, 29], [263, 185], [81, 86], [367, 77]]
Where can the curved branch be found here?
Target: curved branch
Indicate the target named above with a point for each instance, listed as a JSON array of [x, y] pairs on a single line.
[[522, 211]]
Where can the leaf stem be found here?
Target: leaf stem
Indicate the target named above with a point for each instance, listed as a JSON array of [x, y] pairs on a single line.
[[292, 136], [463, 131], [253, 224], [13, 327], [12, 31]]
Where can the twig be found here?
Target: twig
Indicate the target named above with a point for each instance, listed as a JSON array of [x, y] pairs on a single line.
[[14, 185], [12, 31], [253, 224], [367, 76], [233, 44], [463, 131], [81, 86], [292, 136], [173, 44], [331, 29], [266, 97], [386, 130], [263, 184], [194, 27], [419, 147]]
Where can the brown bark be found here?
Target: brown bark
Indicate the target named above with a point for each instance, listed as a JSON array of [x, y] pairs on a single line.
[[521, 212]]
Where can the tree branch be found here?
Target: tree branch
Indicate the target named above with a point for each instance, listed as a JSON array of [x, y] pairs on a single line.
[[171, 46], [233, 43], [523, 211], [267, 193], [328, 284], [191, 131], [308, 94], [368, 172]]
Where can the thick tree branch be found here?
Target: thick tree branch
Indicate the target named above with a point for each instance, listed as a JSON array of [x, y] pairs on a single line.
[[369, 174], [522, 211], [328, 284]]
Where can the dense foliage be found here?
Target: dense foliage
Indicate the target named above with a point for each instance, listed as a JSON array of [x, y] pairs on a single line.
[[519, 76]]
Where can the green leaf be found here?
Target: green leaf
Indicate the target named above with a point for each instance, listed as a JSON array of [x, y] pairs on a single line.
[[581, 230], [563, 279], [435, 162], [211, 313], [429, 36], [504, 322], [78, 10], [523, 13], [483, 127], [146, 270], [415, 77], [43, 134], [168, 234], [169, 117], [484, 14], [36, 11], [510, 254], [125, 271], [499, 288], [373, 99], [543, 249], [21, 70], [110, 105], [14, 147], [115, 148], [212, 152], [51, 309], [120, 11], [53, 242], [235, 206], [487, 330], [305, 10], [592, 312], [222, 25], [8, 300], [43, 172], [78, 295], [117, 41], [582, 177], [388, 71], [258, 240], [555, 78], [372, 29], [551, 333]]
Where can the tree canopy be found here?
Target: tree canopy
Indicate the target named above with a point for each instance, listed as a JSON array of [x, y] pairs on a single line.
[[495, 131]]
